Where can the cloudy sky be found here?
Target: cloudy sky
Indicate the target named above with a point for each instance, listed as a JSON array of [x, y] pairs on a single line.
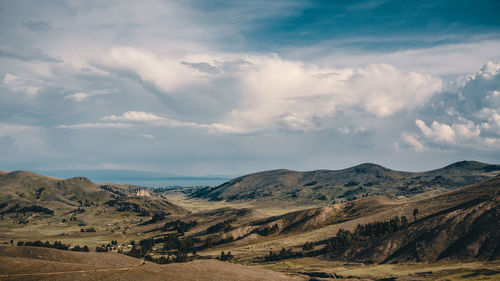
[[198, 87]]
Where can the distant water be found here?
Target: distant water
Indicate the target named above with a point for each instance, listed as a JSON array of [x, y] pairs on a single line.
[[170, 182], [140, 178]]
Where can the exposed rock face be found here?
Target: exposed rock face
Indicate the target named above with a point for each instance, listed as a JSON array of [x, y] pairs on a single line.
[[142, 192]]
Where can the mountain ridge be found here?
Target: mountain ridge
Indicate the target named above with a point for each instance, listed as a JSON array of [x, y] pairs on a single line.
[[366, 179]]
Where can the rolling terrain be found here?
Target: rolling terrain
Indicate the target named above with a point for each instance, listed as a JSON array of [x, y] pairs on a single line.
[[33, 263], [446, 227], [324, 186]]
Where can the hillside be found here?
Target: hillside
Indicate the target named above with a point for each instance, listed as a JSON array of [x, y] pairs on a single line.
[[33, 263], [459, 225], [325, 186], [25, 192]]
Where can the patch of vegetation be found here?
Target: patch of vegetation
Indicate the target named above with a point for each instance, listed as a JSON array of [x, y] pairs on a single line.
[[268, 230], [220, 227], [180, 226], [281, 255], [156, 218], [56, 245], [225, 257], [345, 238], [311, 183]]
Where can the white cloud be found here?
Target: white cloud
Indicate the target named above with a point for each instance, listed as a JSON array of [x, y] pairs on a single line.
[[137, 116], [166, 73], [78, 97], [413, 141], [130, 119], [21, 84], [351, 130], [82, 96], [438, 132], [473, 118], [307, 96], [273, 92], [97, 126]]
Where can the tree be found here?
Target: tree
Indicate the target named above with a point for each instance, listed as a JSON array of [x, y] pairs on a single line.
[[12, 242], [415, 213]]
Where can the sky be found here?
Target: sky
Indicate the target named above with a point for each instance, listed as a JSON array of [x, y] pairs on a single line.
[[200, 87]]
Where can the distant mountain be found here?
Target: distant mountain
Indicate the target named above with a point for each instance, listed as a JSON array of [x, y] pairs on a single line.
[[27, 192], [325, 186]]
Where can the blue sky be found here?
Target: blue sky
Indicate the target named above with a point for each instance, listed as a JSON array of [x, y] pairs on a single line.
[[232, 87]]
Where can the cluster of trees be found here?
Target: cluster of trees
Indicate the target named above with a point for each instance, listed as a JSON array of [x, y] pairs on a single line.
[[281, 255], [179, 257], [125, 206], [27, 209], [363, 232], [381, 228], [156, 218], [88, 230], [80, 249], [308, 246], [56, 245], [180, 226], [220, 227], [180, 247], [225, 257]]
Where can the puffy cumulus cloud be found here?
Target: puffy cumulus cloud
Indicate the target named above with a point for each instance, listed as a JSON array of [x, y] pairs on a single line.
[[438, 132], [472, 117], [272, 93], [306, 96], [491, 124]]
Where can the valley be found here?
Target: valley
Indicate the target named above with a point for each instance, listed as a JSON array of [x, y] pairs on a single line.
[[375, 223]]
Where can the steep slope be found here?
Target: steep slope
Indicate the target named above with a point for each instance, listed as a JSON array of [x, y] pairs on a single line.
[[462, 224], [324, 186]]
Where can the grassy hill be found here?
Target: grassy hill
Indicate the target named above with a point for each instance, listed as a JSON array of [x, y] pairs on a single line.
[[324, 186], [33, 263], [36, 207], [457, 224], [460, 224], [25, 192]]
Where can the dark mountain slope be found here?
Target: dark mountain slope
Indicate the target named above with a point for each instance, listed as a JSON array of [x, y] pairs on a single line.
[[463, 224], [324, 186]]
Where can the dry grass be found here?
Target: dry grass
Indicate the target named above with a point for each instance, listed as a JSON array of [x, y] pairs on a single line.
[[32, 263], [473, 270]]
